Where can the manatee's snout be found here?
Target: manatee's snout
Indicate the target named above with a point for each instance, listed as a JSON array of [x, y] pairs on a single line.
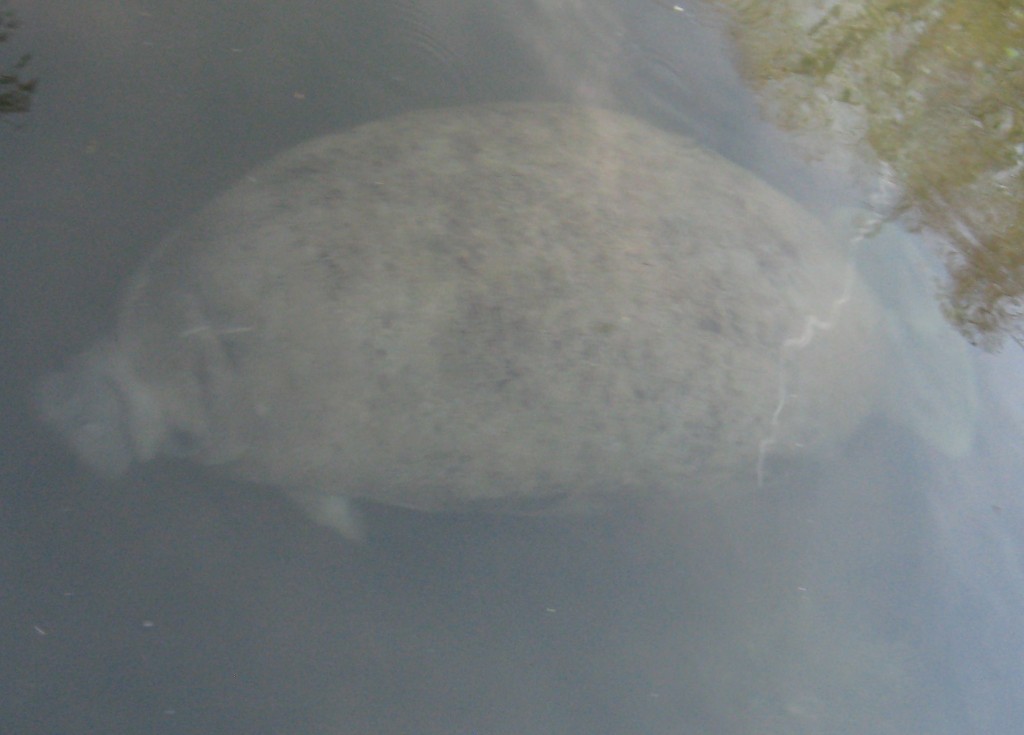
[[102, 410], [85, 407]]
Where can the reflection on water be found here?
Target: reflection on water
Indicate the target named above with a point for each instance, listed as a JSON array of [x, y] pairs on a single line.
[[931, 90], [873, 589], [15, 88]]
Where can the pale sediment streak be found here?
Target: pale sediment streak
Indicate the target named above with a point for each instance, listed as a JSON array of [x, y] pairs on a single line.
[[813, 324]]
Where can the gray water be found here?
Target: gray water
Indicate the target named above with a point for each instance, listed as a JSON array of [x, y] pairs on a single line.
[[879, 589]]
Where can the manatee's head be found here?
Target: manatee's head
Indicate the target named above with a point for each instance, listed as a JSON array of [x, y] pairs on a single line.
[[100, 411], [115, 408]]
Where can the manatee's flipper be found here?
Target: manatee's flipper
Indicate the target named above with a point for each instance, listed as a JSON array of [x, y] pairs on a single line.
[[334, 511]]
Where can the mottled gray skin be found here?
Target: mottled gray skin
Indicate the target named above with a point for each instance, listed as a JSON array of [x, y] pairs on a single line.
[[514, 307]]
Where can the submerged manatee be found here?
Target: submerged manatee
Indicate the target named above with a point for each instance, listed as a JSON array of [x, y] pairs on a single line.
[[514, 307]]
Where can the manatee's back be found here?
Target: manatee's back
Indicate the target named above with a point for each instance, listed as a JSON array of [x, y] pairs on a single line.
[[515, 304]]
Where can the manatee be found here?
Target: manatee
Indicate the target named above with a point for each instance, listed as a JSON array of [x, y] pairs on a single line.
[[509, 307]]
